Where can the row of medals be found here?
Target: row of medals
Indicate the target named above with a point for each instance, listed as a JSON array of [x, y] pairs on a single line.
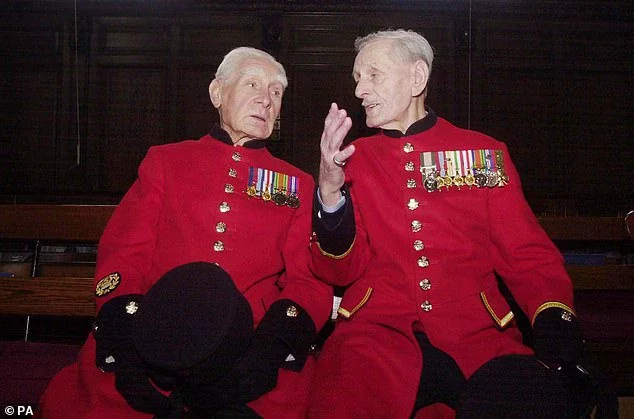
[[480, 178], [279, 197]]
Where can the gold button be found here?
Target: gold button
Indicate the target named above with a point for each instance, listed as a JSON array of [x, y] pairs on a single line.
[[292, 311], [566, 316], [221, 227], [423, 262], [425, 284], [426, 306], [409, 166], [228, 188], [236, 156], [411, 183], [408, 148], [412, 204], [416, 226], [224, 207], [219, 246], [233, 172], [418, 245], [131, 307]]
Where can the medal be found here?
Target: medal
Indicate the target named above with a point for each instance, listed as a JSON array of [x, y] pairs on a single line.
[[447, 181], [469, 180], [279, 198], [492, 179], [430, 183], [504, 179], [292, 201], [457, 168], [480, 179]]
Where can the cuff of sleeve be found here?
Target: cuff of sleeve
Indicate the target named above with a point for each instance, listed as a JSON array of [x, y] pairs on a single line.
[[551, 304], [335, 232], [334, 208]]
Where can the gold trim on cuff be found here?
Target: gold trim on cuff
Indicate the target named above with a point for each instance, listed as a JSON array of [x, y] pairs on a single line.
[[551, 304], [341, 256]]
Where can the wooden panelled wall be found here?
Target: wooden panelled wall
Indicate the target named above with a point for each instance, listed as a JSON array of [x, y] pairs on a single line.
[[85, 91]]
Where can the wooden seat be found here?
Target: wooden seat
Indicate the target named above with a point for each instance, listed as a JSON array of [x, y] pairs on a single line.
[[57, 290]]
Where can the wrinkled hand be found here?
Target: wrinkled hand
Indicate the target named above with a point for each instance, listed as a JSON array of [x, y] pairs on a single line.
[[331, 176]]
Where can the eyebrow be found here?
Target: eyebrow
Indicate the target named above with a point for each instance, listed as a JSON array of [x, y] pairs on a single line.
[[371, 69], [257, 71]]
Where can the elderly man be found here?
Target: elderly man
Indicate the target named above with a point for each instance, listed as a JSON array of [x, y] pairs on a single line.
[[220, 208], [416, 221]]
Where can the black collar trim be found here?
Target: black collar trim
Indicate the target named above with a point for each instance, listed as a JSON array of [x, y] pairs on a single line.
[[223, 136], [423, 124]]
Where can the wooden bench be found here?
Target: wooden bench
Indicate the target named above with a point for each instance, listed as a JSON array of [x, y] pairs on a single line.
[[62, 293], [50, 295], [71, 295]]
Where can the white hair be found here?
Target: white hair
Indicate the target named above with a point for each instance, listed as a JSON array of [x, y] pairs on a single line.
[[409, 46], [231, 63]]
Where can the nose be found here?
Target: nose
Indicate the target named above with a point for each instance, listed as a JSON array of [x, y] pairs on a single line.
[[361, 89], [264, 97]]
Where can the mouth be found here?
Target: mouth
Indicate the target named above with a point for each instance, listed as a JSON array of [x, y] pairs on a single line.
[[369, 107], [259, 117]]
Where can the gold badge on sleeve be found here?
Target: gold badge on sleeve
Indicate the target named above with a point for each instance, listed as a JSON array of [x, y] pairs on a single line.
[[107, 284]]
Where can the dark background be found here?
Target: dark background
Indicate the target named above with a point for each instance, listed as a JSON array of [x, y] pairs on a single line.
[[88, 86]]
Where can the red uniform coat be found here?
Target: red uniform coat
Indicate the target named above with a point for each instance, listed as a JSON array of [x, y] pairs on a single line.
[[190, 204], [427, 261]]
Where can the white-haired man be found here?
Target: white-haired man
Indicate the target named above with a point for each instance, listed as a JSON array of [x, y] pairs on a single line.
[[415, 222], [224, 201]]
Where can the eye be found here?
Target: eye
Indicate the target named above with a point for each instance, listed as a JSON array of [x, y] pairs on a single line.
[[252, 84], [277, 93]]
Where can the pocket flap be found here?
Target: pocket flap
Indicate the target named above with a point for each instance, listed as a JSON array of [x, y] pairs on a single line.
[[347, 313], [499, 309]]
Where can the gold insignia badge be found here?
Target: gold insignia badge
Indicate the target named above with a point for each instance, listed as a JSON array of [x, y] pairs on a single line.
[[107, 284]]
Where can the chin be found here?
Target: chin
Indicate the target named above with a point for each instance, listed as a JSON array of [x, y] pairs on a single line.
[[261, 135], [372, 124]]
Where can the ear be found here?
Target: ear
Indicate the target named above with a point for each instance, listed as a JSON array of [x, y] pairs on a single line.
[[214, 93], [420, 77]]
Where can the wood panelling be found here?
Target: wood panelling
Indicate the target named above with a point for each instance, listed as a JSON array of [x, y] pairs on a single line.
[[34, 98], [551, 79], [558, 94]]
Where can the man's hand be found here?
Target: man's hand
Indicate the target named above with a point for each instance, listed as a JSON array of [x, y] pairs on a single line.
[[331, 175]]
